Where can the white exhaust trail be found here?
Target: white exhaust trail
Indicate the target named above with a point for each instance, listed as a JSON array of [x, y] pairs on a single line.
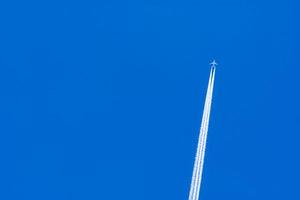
[[199, 160], [195, 179]]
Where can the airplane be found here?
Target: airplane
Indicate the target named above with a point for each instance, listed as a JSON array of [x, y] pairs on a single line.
[[213, 63]]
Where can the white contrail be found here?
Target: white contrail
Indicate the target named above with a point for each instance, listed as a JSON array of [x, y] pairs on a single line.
[[195, 178], [199, 160], [205, 137], [201, 146], [198, 167]]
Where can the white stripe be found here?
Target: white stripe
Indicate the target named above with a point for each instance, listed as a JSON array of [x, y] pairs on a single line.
[[199, 160]]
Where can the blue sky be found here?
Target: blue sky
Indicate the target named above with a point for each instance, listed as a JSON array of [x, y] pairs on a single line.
[[103, 99]]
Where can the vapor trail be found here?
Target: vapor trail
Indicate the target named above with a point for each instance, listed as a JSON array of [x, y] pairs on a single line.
[[199, 160], [195, 179], [198, 167]]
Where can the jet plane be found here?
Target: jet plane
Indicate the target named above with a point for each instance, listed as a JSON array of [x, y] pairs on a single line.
[[214, 63]]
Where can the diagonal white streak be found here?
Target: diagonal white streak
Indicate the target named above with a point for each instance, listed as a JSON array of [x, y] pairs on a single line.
[[199, 160], [198, 167], [202, 142], [195, 178], [205, 138]]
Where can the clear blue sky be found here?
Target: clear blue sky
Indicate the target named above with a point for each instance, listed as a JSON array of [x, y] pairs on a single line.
[[103, 99]]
